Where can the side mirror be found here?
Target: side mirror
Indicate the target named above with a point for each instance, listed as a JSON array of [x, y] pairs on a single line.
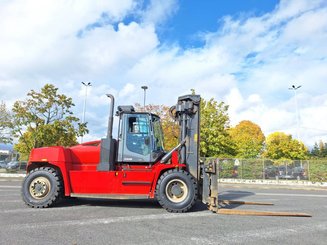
[[147, 140]]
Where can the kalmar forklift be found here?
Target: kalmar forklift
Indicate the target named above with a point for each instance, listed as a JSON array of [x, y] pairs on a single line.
[[133, 166]]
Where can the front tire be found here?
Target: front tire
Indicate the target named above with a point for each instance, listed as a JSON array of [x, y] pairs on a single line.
[[176, 191], [42, 188]]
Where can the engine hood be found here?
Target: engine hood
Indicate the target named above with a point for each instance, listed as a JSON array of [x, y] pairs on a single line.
[[86, 153]]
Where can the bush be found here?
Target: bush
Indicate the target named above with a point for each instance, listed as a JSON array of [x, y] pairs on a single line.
[[318, 170]]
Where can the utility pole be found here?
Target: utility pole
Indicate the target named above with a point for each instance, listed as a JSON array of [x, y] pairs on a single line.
[[86, 85], [295, 88], [144, 88]]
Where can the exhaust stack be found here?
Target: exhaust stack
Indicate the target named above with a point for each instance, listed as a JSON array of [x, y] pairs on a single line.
[[111, 116], [107, 152]]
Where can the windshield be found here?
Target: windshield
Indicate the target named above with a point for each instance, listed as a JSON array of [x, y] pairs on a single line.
[[158, 134]]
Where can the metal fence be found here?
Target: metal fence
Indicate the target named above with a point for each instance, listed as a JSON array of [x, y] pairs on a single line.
[[311, 170]]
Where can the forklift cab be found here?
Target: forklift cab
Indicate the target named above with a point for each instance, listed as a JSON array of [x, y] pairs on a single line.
[[140, 137]]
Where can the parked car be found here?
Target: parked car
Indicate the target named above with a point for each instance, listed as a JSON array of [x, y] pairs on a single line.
[[3, 164], [16, 165], [285, 172], [271, 172], [299, 173], [280, 172]]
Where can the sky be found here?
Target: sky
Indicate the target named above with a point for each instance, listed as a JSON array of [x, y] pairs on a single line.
[[245, 53]]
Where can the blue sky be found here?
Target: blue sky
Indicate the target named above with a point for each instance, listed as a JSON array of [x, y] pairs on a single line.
[[245, 53], [195, 17]]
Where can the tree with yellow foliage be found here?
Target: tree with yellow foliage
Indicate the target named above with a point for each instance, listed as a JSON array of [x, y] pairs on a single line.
[[280, 145], [248, 139]]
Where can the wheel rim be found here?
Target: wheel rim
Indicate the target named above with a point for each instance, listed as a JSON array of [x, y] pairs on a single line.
[[39, 187], [176, 190]]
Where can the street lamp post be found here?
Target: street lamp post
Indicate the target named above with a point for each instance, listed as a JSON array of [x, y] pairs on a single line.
[[295, 88], [144, 88], [86, 85]]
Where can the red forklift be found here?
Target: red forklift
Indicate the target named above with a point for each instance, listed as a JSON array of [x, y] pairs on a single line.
[[133, 166]]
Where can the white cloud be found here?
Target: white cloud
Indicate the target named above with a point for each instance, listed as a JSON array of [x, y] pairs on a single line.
[[127, 90], [249, 62], [235, 100], [159, 11], [288, 9], [32, 29]]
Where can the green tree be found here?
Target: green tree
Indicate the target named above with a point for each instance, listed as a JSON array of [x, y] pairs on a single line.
[[215, 140], [45, 119], [322, 149], [280, 145], [315, 150], [5, 124], [319, 150], [248, 139]]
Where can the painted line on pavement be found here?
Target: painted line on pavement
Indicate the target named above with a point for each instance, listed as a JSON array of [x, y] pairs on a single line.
[[6, 201], [290, 195], [264, 234], [36, 210], [237, 193], [124, 219], [7, 175], [10, 180], [7, 195], [10, 186]]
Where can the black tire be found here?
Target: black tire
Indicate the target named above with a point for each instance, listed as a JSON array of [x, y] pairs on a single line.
[[42, 188], [176, 191]]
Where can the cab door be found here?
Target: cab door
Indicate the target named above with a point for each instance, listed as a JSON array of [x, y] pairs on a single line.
[[134, 138]]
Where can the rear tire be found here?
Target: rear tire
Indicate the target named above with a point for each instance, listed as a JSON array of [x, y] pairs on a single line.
[[176, 191], [42, 188]]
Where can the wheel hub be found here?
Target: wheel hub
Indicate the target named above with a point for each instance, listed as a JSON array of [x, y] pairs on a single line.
[[39, 187], [176, 190]]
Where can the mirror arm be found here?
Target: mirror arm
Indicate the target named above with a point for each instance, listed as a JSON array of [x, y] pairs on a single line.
[[168, 155]]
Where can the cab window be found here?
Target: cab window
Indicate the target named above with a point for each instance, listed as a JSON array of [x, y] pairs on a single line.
[[138, 134]]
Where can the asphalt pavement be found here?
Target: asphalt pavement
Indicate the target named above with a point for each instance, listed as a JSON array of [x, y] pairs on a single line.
[[94, 221]]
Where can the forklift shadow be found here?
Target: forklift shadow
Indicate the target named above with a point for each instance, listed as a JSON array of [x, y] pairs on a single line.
[[232, 196], [150, 204], [225, 195], [138, 203]]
